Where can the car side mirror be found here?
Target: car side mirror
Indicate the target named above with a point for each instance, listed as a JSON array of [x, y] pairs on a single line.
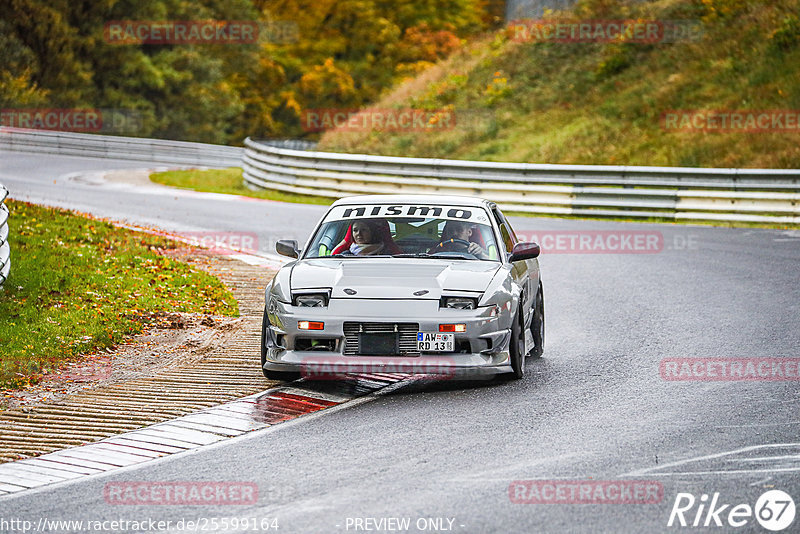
[[287, 247], [524, 251]]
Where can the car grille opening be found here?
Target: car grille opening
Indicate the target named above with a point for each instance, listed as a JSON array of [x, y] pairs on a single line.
[[315, 344], [406, 336]]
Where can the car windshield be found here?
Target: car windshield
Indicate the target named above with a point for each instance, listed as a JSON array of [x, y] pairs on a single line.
[[417, 231]]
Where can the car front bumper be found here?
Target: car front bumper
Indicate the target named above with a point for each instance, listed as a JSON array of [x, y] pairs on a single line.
[[482, 350]]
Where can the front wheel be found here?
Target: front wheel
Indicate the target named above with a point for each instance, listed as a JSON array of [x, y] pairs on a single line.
[[272, 375], [517, 348], [537, 325]]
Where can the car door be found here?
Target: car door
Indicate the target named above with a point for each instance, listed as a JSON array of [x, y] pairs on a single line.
[[532, 264], [525, 272]]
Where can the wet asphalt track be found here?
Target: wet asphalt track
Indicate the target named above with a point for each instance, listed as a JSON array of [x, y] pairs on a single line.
[[595, 407]]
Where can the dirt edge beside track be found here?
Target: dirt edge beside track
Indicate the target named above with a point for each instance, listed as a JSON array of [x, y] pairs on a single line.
[[166, 373]]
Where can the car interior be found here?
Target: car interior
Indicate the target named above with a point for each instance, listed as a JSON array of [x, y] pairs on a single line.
[[400, 236]]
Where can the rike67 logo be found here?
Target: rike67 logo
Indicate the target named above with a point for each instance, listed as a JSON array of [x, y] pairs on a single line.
[[774, 510]]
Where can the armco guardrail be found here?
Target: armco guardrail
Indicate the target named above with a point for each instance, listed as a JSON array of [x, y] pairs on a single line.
[[292, 144], [124, 148], [746, 195], [5, 249]]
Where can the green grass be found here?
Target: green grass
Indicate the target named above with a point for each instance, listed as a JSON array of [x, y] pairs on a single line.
[[228, 181], [602, 103], [79, 285]]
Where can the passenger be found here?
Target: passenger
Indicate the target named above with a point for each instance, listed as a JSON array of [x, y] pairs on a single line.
[[456, 237], [365, 239], [368, 237]]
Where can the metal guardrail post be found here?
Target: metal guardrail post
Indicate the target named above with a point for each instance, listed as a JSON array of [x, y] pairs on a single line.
[[5, 249]]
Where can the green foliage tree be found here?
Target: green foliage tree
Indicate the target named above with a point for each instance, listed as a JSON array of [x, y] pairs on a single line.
[[311, 54]]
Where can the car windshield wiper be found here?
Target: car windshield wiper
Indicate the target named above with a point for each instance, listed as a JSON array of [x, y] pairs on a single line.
[[437, 256], [341, 255]]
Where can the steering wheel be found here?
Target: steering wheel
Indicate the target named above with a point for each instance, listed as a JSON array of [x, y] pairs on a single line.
[[460, 243]]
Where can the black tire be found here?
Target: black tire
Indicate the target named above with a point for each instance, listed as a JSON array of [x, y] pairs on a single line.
[[283, 376], [272, 375], [537, 324], [517, 348]]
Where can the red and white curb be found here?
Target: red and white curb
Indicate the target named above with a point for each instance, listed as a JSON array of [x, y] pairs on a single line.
[[189, 432]]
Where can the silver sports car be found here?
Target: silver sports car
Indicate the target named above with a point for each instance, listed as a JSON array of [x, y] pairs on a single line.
[[416, 284]]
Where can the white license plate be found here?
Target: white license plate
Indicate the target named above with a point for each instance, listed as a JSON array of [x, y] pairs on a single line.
[[435, 342]]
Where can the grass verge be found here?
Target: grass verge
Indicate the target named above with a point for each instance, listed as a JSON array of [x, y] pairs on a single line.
[[78, 286], [228, 181], [604, 103]]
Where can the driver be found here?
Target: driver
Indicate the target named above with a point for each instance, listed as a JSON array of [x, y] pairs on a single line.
[[456, 238]]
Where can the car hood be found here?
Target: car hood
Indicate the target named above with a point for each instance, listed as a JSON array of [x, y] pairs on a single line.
[[392, 278]]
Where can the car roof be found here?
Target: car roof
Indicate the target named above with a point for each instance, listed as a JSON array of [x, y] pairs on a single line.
[[453, 200]]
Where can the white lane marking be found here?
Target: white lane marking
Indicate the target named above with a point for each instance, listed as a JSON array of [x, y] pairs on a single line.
[[766, 458], [62, 466], [761, 481], [144, 446], [13, 477], [11, 488], [157, 440], [98, 179], [207, 417], [162, 432], [115, 447], [759, 424], [28, 476], [207, 428], [314, 394], [37, 468], [726, 472], [76, 462], [209, 437], [657, 470], [96, 455]]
